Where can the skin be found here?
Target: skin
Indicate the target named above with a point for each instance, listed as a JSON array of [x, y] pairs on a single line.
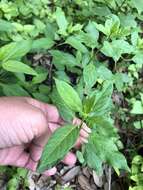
[[25, 127]]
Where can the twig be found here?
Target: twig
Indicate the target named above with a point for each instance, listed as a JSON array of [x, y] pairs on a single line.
[[109, 178]]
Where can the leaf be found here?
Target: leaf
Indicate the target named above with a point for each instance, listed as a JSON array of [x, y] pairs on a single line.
[[92, 31], [18, 67], [138, 4], [119, 83], [105, 126], [39, 78], [69, 96], [138, 59], [92, 158], [62, 140], [14, 90], [103, 73], [6, 26], [15, 50], [137, 107], [75, 43], [42, 43], [64, 110], [107, 151], [116, 48], [61, 20], [111, 28], [90, 75], [102, 101], [63, 59], [41, 97]]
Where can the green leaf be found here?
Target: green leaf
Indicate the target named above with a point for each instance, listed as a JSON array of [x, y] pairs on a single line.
[[116, 48], [6, 26], [64, 110], [92, 31], [63, 59], [18, 67], [75, 43], [92, 158], [80, 157], [137, 107], [102, 101], [105, 126], [119, 83], [15, 50], [90, 75], [39, 78], [138, 58], [103, 73], [61, 20], [62, 140], [138, 4], [107, 151], [14, 90], [69, 96], [41, 97], [42, 43]]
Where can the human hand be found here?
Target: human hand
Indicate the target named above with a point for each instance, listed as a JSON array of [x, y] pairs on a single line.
[[25, 127]]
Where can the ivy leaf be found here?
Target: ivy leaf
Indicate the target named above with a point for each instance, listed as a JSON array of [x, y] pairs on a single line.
[[15, 50], [69, 95], [61, 20], [58, 145], [116, 48], [18, 67], [63, 59], [76, 43], [89, 75]]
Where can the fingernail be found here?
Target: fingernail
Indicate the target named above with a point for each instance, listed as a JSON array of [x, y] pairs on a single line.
[[87, 129], [84, 140]]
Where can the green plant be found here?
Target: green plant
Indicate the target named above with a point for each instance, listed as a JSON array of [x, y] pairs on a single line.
[[137, 173], [15, 177], [103, 142]]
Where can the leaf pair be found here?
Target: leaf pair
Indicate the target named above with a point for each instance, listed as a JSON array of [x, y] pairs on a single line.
[[65, 137], [10, 55]]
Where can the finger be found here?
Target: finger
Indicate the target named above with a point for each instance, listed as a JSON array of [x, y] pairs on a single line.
[[84, 134], [76, 121], [85, 128], [50, 172], [70, 159], [15, 156], [80, 141], [50, 111]]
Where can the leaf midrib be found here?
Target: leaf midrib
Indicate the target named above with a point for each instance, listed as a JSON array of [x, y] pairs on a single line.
[[60, 142]]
